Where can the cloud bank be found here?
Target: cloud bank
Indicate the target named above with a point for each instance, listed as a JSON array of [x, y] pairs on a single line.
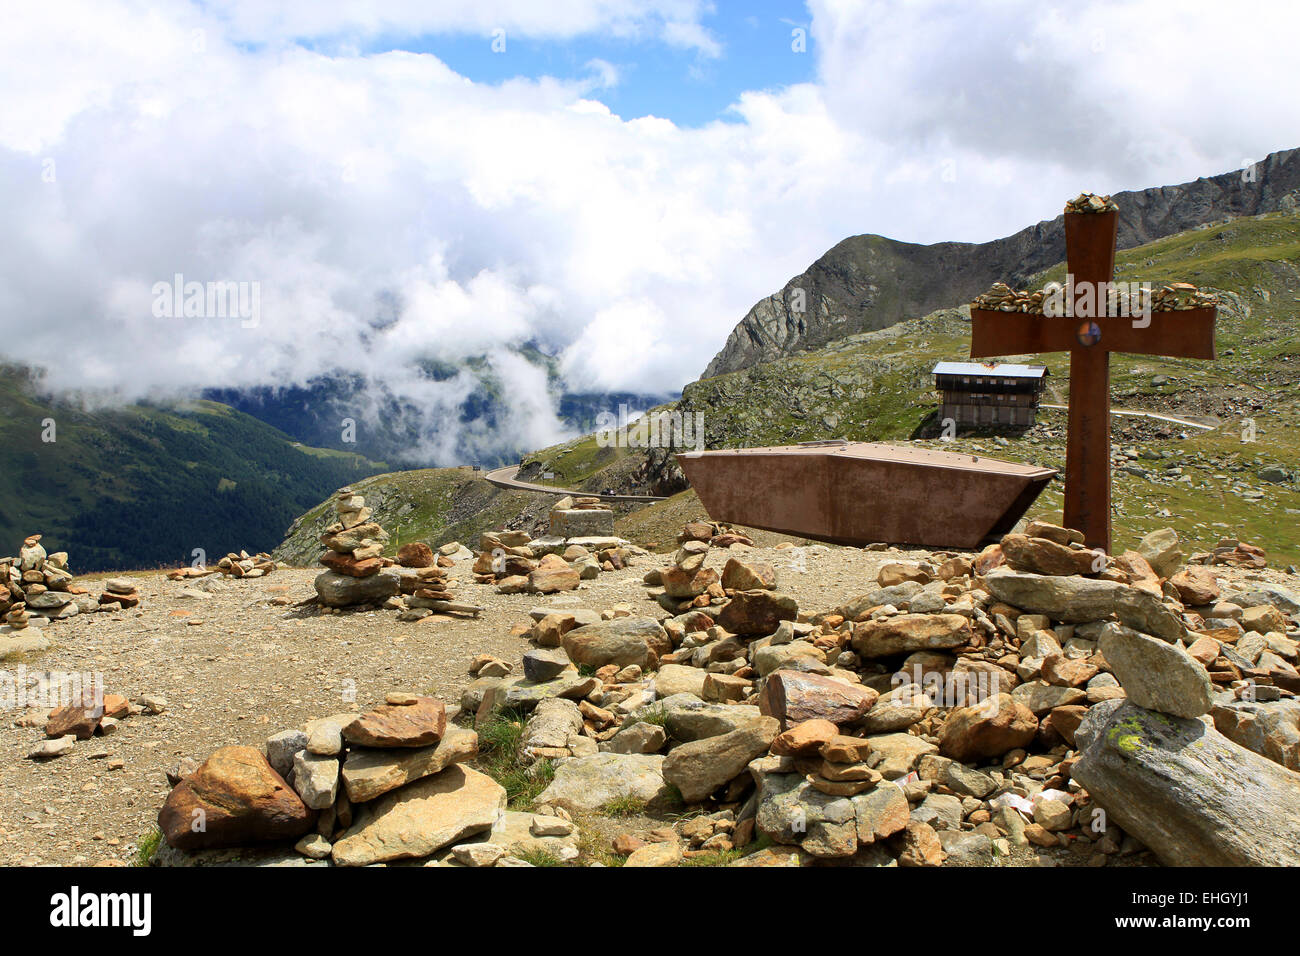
[[393, 212]]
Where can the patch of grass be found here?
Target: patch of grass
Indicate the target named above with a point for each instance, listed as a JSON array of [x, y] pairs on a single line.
[[594, 844], [623, 807], [539, 857], [148, 847], [500, 758], [655, 714], [718, 858]]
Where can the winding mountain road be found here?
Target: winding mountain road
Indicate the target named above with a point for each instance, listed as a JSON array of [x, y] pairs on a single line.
[[505, 478]]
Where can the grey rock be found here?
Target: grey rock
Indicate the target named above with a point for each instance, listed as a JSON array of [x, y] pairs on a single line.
[[281, 748], [1190, 794], [1156, 675], [589, 783]]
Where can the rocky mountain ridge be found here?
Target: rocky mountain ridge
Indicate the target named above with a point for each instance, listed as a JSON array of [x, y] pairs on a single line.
[[870, 282]]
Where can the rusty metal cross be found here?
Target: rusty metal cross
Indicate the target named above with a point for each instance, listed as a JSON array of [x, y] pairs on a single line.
[[1090, 335]]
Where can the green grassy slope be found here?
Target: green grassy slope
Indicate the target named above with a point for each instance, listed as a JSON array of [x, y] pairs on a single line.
[[141, 486]]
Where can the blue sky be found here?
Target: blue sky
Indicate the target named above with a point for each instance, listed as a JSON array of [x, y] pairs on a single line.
[[686, 86]]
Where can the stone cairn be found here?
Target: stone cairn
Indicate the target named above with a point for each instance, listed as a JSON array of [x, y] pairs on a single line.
[[425, 583], [1173, 297], [353, 557], [355, 789], [36, 584], [119, 593], [240, 565], [581, 544]]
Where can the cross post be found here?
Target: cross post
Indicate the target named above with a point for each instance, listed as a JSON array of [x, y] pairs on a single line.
[[1089, 332]]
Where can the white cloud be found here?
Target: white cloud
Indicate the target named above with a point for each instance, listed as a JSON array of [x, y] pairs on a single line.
[[395, 212]]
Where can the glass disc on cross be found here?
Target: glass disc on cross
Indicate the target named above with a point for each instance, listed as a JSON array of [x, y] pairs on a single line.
[[1089, 333]]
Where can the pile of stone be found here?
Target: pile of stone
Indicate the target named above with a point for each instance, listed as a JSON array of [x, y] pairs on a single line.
[[970, 708], [91, 714], [425, 583], [688, 584], [356, 570], [1002, 298], [355, 789], [1179, 297], [1174, 297], [517, 563], [1091, 203], [37, 584], [119, 593], [1233, 553]]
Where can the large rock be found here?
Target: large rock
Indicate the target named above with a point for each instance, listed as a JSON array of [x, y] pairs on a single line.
[[233, 798], [683, 584], [757, 612], [370, 773], [1160, 548], [550, 579], [988, 729], [589, 783], [701, 766], [794, 812], [550, 726], [674, 679], [341, 590], [1196, 585], [1077, 600], [686, 717], [415, 554], [897, 755], [795, 696], [1042, 556], [622, 641], [881, 812], [420, 723], [898, 595], [905, 633], [316, 779], [740, 575], [1156, 675], [1187, 792], [422, 817]]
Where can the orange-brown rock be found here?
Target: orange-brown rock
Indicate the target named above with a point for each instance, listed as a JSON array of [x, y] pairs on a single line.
[[793, 697], [757, 612], [415, 554], [681, 584], [1196, 585], [1061, 671], [990, 728], [417, 724], [79, 719], [352, 567], [233, 799], [740, 575], [804, 739], [1140, 573], [1044, 556]]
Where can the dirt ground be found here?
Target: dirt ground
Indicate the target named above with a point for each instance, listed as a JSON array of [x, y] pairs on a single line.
[[236, 668]]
